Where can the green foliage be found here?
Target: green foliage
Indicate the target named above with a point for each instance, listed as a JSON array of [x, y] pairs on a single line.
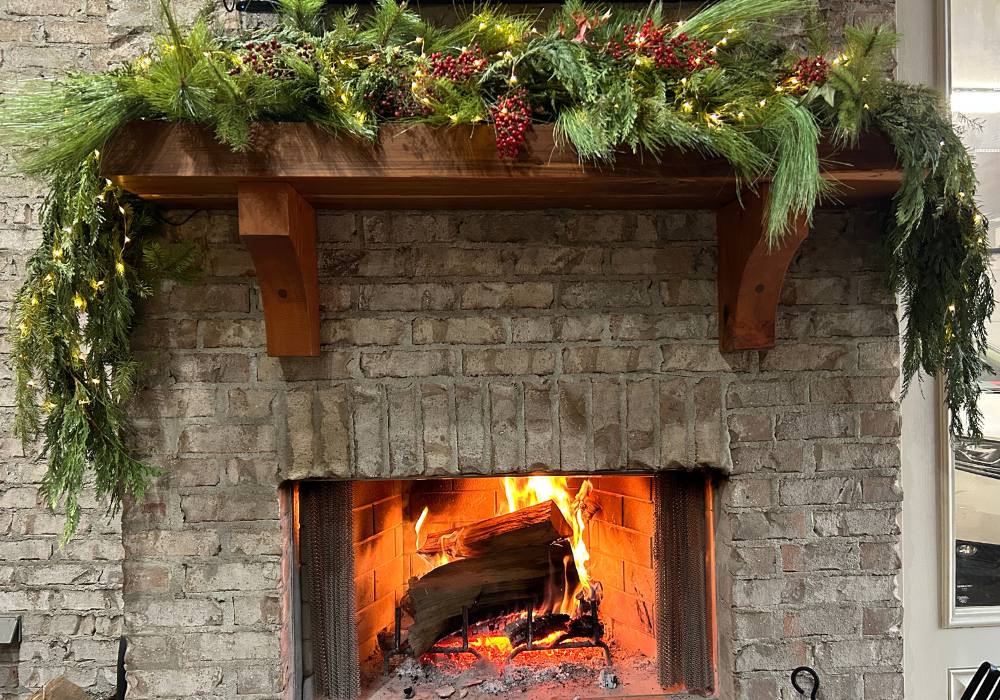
[[609, 81], [69, 334]]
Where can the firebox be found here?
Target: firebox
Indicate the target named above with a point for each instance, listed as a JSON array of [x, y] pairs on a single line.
[[540, 586]]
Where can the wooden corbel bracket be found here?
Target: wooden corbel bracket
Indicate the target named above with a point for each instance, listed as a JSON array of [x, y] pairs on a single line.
[[751, 274], [278, 227]]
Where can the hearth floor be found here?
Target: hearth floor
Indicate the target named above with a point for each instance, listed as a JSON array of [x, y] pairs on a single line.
[[456, 678]]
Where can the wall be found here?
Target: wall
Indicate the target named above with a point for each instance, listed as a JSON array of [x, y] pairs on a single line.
[[193, 575]]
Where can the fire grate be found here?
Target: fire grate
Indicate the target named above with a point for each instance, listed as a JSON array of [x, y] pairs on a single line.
[[565, 641]]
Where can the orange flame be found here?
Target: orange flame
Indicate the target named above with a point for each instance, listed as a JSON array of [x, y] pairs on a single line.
[[437, 559], [523, 492]]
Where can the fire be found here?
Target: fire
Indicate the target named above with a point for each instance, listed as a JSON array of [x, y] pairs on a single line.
[[523, 492], [439, 558]]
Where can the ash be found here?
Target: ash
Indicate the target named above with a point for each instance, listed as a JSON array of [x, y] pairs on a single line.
[[460, 677]]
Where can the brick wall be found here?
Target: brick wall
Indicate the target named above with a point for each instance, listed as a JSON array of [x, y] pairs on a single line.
[[808, 524]]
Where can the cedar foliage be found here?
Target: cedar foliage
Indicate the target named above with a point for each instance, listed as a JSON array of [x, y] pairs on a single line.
[[594, 74]]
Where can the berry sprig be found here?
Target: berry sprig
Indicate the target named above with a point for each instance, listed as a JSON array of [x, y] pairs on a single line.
[[511, 119], [467, 64], [395, 98], [810, 71], [268, 58], [680, 54]]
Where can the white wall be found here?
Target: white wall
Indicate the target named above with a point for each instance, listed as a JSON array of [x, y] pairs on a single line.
[[930, 650]]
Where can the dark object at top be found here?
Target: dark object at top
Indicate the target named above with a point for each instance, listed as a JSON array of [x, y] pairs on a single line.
[[806, 671], [985, 685]]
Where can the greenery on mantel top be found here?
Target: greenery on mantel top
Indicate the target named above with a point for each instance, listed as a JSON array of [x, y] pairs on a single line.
[[609, 80]]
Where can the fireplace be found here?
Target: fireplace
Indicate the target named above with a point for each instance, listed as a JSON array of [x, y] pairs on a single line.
[[537, 585]]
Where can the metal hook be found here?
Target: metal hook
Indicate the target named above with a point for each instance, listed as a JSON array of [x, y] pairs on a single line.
[[815, 679]]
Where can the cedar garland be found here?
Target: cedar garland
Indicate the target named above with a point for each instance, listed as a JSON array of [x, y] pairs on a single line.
[[609, 81]]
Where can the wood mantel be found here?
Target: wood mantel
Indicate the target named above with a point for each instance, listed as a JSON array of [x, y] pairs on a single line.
[[295, 167]]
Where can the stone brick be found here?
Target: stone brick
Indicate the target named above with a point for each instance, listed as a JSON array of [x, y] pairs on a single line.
[[329, 365], [251, 403], [867, 390], [213, 368], [227, 439], [752, 427], [403, 363], [367, 410], [819, 423], [212, 298], [800, 357], [168, 543], [540, 446], [470, 400], [691, 357], [363, 331], [601, 295], [747, 393], [559, 261], [640, 435], [820, 490], [605, 360], [214, 507], [508, 361], [540, 329], [880, 423], [435, 406], [191, 612], [830, 554], [504, 295], [607, 424], [472, 330], [230, 576], [573, 424], [407, 297], [404, 426], [507, 442]]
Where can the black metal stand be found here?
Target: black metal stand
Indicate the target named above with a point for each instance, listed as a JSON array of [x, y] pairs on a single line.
[[565, 641]]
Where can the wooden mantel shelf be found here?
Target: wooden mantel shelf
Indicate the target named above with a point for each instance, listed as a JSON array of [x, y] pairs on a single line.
[[295, 167]]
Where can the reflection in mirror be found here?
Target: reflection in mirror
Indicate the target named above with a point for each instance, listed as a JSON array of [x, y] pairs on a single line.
[[974, 477]]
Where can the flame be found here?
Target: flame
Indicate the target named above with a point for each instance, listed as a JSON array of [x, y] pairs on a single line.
[[437, 559], [523, 492]]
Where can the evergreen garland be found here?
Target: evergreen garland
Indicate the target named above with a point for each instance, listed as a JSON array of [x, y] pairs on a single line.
[[715, 83]]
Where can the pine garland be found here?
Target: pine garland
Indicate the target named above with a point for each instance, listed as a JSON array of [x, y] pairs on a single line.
[[609, 81]]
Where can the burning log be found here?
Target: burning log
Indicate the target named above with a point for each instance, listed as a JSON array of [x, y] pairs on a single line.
[[541, 626], [490, 583], [529, 527]]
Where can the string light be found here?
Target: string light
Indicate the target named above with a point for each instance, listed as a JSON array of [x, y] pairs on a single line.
[[687, 106], [79, 302], [57, 253], [120, 267]]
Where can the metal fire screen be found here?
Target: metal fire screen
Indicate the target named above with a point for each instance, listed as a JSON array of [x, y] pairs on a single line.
[[680, 547], [327, 544]]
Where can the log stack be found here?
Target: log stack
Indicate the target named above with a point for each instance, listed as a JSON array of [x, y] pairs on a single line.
[[505, 561]]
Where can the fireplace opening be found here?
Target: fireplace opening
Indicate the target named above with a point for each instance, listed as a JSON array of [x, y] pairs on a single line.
[[540, 585]]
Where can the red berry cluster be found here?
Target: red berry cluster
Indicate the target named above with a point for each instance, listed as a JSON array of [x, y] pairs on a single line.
[[811, 71], [394, 98], [267, 58], [511, 119], [679, 54], [470, 62]]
